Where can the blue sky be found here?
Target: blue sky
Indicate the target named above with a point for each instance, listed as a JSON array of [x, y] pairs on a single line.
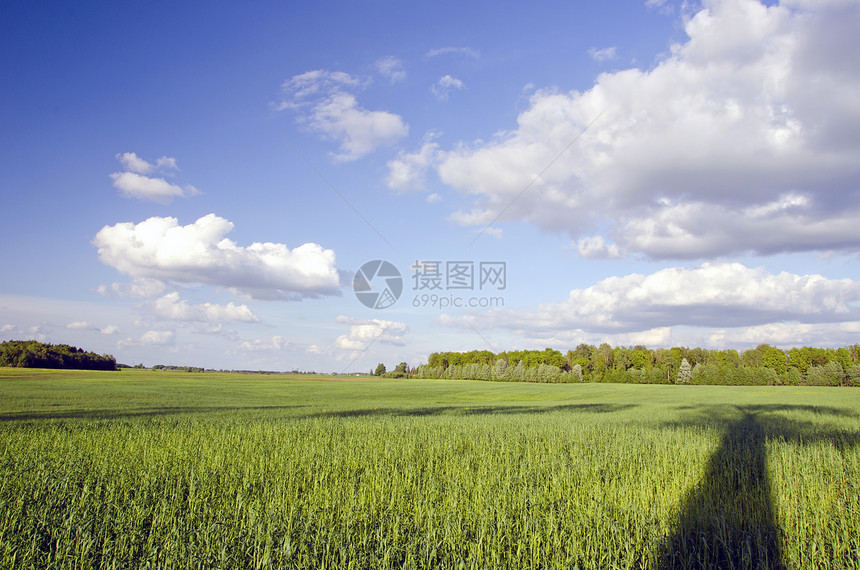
[[198, 184]]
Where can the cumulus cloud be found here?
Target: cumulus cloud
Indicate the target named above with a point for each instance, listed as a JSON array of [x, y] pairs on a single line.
[[743, 139], [80, 325], [322, 103], [713, 296], [172, 307], [134, 182], [363, 333], [391, 68], [161, 249], [442, 88], [109, 330]]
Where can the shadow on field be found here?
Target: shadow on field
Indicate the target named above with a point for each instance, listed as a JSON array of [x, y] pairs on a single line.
[[108, 414], [728, 520], [166, 411], [473, 411]]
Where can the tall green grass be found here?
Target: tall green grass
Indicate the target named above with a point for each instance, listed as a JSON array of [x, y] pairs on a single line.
[[185, 471]]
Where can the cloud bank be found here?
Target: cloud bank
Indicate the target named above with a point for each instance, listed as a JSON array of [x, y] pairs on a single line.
[[742, 140], [715, 296]]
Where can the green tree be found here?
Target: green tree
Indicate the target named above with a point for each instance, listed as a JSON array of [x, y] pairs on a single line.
[[854, 375], [380, 369]]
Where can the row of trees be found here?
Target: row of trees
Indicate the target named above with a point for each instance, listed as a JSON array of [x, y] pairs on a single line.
[[400, 371], [763, 365], [34, 354]]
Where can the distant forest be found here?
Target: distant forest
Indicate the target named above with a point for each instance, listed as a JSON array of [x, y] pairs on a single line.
[[33, 354], [764, 365]]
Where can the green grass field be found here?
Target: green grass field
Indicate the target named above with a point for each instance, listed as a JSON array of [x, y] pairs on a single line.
[[172, 470]]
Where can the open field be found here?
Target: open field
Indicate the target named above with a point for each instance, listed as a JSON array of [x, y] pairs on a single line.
[[167, 469]]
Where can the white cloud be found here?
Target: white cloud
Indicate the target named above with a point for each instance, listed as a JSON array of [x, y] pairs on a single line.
[[407, 172], [166, 163], [80, 325], [442, 88], [109, 330], [464, 51], [159, 248], [595, 247], [134, 182], [137, 288], [494, 232], [712, 296], [217, 329], [157, 337], [743, 139], [276, 343], [131, 162], [323, 104], [359, 131], [150, 338], [662, 6], [391, 68], [305, 88], [363, 333], [172, 307], [603, 54], [783, 334], [133, 185]]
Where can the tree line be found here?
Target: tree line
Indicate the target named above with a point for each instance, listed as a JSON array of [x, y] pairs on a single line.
[[764, 365], [34, 354]]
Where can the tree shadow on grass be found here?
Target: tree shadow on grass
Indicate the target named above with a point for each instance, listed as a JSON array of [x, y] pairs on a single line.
[[471, 410], [728, 520], [110, 414], [167, 411]]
